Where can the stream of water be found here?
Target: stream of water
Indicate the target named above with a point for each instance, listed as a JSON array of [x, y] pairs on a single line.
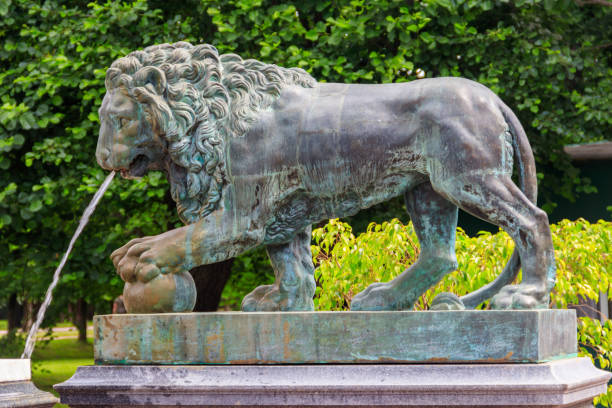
[[31, 340]]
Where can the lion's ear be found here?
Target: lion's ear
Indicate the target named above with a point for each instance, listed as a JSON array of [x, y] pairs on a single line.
[[151, 77]]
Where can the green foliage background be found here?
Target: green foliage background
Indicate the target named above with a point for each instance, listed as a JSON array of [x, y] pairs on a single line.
[[347, 264], [549, 60]]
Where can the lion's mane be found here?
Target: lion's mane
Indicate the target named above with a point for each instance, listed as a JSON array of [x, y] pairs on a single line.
[[195, 99]]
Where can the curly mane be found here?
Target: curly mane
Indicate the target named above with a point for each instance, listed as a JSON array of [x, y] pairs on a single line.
[[195, 98]]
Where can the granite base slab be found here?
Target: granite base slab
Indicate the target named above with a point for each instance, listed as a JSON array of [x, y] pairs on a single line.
[[563, 383], [17, 389], [335, 337]]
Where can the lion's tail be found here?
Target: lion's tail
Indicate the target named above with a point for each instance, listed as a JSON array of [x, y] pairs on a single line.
[[529, 186]]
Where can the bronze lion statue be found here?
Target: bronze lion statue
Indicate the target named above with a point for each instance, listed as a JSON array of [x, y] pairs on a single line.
[[256, 153]]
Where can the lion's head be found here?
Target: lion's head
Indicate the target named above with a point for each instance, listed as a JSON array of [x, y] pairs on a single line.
[[171, 107]]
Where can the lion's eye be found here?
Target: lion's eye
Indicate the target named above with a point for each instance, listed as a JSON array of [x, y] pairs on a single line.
[[123, 122]]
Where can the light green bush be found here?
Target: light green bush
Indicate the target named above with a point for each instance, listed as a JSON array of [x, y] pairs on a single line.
[[584, 262], [347, 264], [595, 341]]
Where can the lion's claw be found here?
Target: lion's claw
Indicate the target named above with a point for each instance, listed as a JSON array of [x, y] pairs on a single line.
[[265, 298], [145, 273], [380, 296], [120, 253], [521, 296], [447, 301], [268, 298]]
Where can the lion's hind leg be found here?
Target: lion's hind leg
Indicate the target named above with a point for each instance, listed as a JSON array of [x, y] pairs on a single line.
[[294, 285], [496, 199], [435, 220]]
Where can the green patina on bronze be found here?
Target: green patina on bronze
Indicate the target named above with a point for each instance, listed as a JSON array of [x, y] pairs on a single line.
[[335, 337], [255, 154]]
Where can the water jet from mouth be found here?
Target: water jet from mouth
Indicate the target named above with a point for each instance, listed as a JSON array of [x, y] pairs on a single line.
[[31, 340]]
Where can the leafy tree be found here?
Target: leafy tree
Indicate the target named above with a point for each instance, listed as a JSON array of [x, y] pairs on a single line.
[[53, 61], [549, 60]]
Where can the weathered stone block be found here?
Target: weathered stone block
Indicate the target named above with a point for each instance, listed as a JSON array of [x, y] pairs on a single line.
[[335, 337], [562, 383]]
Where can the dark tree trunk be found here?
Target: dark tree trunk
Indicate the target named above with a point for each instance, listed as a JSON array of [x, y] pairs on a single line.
[[29, 315], [210, 281], [80, 319], [586, 308], [14, 313]]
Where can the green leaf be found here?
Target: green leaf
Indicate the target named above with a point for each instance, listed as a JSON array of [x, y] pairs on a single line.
[[18, 140], [312, 35], [5, 220], [27, 121], [25, 214], [56, 100], [4, 7], [35, 206]]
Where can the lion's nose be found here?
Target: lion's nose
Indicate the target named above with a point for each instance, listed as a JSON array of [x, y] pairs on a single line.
[[102, 155]]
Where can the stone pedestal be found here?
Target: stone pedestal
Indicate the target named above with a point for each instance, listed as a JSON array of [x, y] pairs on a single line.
[[336, 337], [386, 359], [17, 389], [564, 383]]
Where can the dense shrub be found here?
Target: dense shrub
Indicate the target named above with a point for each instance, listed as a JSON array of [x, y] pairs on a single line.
[[347, 264], [11, 344]]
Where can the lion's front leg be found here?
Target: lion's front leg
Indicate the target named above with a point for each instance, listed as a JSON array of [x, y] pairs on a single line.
[[156, 273], [156, 269], [294, 287]]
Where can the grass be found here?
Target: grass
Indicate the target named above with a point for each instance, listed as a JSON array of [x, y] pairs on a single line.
[[69, 333], [73, 332], [66, 324], [57, 360]]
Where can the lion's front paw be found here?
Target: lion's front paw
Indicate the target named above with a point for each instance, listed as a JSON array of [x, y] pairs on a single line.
[[135, 262], [143, 259], [157, 279], [521, 296]]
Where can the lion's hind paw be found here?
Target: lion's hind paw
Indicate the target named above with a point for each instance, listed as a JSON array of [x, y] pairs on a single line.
[[263, 298], [521, 296], [447, 301], [268, 298], [377, 296]]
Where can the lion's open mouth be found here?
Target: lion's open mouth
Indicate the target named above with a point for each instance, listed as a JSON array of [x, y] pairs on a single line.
[[138, 167]]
